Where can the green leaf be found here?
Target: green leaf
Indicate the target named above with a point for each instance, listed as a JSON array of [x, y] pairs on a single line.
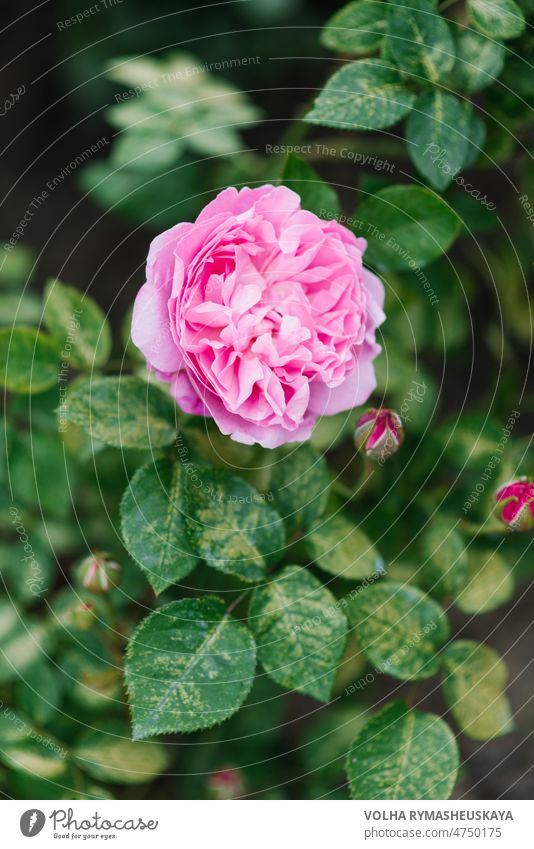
[[231, 526], [419, 40], [399, 628], [365, 95], [437, 133], [23, 642], [146, 150], [444, 550], [497, 18], [189, 666], [109, 755], [475, 678], [28, 360], [24, 748], [78, 325], [39, 695], [316, 195], [300, 486], [16, 308], [403, 754], [300, 632], [153, 523], [406, 227], [342, 549], [477, 138], [489, 582], [357, 28], [125, 412], [479, 60]]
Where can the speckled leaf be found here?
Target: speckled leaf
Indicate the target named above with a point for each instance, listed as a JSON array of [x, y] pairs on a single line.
[[232, 527], [489, 582], [153, 523], [479, 60], [189, 666], [403, 754], [367, 95], [77, 324], [342, 549], [406, 227], [26, 749], [109, 755], [445, 554], [299, 631], [28, 360], [497, 18], [419, 40], [316, 195], [300, 484], [399, 629], [474, 685], [437, 133], [125, 412], [357, 28]]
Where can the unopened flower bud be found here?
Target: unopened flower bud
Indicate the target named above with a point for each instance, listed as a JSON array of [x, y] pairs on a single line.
[[225, 784], [379, 433], [98, 573], [82, 616], [515, 501]]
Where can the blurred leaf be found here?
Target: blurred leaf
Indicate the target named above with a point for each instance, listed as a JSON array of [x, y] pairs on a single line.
[[122, 411], [402, 754], [399, 628], [19, 309], [316, 195], [437, 136], [445, 553], [78, 325], [23, 642], [108, 755], [342, 549], [154, 513], [419, 40], [357, 28], [366, 95], [28, 360], [300, 632], [189, 666], [477, 139], [474, 685], [497, 18], [479, 60], [489, 582], [406, 227], [27, 749], [39, 696], [299, 486], [16, 266]]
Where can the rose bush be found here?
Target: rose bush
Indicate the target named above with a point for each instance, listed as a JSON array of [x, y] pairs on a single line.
[[260, 315]]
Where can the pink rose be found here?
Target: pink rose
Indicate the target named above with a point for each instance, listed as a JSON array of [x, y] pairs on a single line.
[[261, 315]]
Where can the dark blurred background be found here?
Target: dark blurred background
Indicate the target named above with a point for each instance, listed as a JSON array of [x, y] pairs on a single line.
[[61, 114]]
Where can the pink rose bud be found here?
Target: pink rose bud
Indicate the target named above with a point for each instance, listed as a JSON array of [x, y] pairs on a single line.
[[516, 499], [225, 784], [98, 573], [379, 433], [260, 315]]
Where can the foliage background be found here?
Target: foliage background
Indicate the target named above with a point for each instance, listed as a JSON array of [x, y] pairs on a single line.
[[287, 745]]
